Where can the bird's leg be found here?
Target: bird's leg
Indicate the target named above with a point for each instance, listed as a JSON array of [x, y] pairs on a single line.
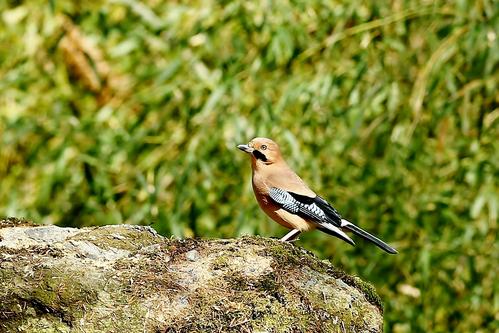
[[291, 236]]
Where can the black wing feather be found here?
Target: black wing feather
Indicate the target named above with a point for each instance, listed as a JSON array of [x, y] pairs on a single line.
[[329, 210]]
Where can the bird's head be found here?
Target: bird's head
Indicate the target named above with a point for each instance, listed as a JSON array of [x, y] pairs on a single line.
[[263, 151]]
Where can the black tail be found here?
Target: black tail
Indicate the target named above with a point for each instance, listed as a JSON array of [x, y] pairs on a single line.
[[364, 234]]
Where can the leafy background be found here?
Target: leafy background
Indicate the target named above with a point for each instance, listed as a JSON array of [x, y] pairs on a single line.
[[129, 111]]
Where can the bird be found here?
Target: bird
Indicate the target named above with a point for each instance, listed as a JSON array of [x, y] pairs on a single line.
[[288, 200]]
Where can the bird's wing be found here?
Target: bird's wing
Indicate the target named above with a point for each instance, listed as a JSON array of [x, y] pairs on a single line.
[[297, 204], [329, 210], [312, 209]]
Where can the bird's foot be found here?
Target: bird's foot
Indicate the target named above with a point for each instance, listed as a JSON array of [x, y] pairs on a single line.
[[291, 236], [291, 240]]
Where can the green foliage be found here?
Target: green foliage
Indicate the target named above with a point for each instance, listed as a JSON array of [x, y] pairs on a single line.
[[129, 112]]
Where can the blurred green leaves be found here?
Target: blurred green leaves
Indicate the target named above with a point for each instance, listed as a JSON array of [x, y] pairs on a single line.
[[129, 112]]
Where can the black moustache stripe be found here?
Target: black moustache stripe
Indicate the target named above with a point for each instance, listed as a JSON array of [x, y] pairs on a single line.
[[259, 155]]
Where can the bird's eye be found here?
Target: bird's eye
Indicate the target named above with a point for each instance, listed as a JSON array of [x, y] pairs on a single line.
[[263, 147]]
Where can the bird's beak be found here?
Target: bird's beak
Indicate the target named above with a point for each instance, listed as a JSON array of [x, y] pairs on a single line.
[[246, 148]]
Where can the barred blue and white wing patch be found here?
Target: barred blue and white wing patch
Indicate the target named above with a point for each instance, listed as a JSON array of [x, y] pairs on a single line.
[[284, 199], [298, 204]]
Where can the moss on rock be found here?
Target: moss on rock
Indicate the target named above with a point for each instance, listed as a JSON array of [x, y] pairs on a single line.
[[118, 278], [10, 222]]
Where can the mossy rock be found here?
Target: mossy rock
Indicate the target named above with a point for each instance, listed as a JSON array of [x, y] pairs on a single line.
[[130, 279]]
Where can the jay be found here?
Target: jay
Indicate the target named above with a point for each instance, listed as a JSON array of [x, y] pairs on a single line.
[[285, 197]]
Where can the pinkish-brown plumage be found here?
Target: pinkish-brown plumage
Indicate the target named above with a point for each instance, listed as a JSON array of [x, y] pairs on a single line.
[[285, 197]]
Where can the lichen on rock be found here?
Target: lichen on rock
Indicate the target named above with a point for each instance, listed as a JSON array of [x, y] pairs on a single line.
[[129, 279]]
